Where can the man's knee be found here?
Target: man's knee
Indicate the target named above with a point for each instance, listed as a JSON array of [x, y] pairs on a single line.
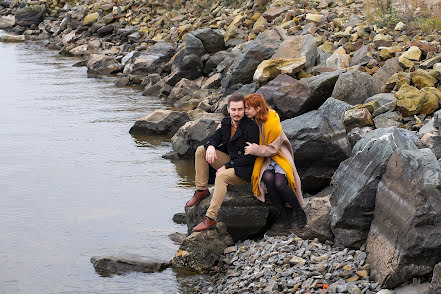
[[200, 151]]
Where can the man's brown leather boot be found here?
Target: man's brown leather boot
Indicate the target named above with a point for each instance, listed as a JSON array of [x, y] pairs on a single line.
[[205, 224], [197, 197]]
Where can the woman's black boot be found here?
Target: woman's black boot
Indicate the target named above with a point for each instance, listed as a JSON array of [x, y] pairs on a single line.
[[302, 220], [286, 217]]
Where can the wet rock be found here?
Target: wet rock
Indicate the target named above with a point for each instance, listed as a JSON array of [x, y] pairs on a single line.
[[160, 122], [107, 266], [103, 64], [355, 184], [354, 87], [180, 218], [201, 250], [319, 143], [296, 47], [212, 40], [30, 15], [7, 21], [12, 38], [253, 53], [407, 211], [194, 133], [242, 213]]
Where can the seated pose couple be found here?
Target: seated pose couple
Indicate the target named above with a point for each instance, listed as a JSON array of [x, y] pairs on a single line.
[[249, 148]]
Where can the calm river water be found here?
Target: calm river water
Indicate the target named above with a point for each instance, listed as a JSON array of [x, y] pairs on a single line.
[[75, 184]]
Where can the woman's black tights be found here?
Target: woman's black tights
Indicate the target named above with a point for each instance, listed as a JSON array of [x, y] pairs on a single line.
[[279, 191]]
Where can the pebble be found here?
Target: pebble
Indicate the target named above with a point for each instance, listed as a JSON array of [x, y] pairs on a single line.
[[290, 265]]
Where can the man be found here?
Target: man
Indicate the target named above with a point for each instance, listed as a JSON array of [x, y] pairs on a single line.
[[224, 151]]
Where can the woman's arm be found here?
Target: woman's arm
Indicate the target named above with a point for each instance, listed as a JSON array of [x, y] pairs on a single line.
[[264, 150]]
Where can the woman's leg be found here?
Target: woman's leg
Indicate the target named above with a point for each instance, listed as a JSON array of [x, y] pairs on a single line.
[[268, 178], [287, 195]]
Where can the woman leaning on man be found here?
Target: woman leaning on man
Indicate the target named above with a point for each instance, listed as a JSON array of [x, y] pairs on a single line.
[[274, 170]]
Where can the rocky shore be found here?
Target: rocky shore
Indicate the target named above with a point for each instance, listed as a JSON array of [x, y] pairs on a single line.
[[359, 103]]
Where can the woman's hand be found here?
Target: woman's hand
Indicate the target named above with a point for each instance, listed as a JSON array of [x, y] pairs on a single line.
[[218, 126], [250, 148]]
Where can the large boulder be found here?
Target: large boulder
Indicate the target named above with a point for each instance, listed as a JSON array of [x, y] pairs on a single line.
[[160, 122], [152, 61], [355, 184], [201, 250], [242, 213], [291, 97], [194, 133], [386, 102], [404, 240], [318, 139], [30, 15], [103, 64], [354, 87], [298, 46], [253, 53], [213, 40], [319, 226], [435, 287]]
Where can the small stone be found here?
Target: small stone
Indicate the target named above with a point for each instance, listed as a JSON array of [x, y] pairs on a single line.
[[362, 274]]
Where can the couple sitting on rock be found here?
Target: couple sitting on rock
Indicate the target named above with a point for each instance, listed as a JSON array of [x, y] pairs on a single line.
[[234, 151]]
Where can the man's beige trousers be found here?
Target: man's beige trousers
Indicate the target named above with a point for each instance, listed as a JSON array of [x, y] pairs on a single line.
[[225, 178]]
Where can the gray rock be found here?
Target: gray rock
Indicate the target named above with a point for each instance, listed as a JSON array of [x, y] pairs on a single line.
[[437, 119], [190, 68], [435, 287], [356, 134], [319, 143], [201, 250], [361, 56], [182, 89], [386, 102], [297, 46], [214, 61], [160, 122], [388, 119], [152, 61], [103, 64], [107, 266], [194, 133], [319, 226], [212, 82], [291, 97], [381, 76], [253, 53], [180, 218], [428, 128], [355, 184], [6, 3], [357, 118], [242, 213], [213, 40], [354, 87], [30, 15], [407, 222]]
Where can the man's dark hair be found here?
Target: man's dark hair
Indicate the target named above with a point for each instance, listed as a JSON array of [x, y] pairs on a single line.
[[236, 97]]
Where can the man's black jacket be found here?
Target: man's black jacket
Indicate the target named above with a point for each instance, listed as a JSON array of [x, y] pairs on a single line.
[[247, 131]]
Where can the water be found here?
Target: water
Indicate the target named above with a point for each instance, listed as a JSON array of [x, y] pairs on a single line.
[[75, 184]]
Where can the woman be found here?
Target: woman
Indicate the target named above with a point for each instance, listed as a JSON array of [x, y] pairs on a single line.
[[274, 170]]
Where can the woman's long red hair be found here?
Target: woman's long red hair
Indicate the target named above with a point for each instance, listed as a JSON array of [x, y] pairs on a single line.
[[257, 100]]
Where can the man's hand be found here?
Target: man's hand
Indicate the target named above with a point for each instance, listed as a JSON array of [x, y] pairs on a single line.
[[210, 154], [221, 169]]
